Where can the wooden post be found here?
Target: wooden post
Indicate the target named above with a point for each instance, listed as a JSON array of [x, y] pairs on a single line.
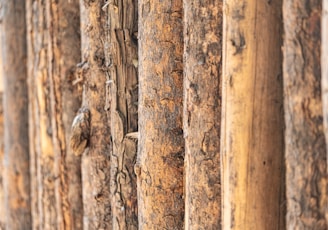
[[96, 159], [160, 160], [252, 118], [16, 177], [122, 104], [306, 164], [202, 110], [64, 52]]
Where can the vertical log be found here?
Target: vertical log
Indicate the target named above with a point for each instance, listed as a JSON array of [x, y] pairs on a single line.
[[31, 114], [2, 192], [324, 71], [202, 110], [64, 51], [252, 121], [43, 176], [122, 92], [306, 163], [96, 160], [159, 166], [16, 145], [324, 68], [2, 198]]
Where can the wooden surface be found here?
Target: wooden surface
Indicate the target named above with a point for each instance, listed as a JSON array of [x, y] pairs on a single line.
[[252, 116], [202, 110]]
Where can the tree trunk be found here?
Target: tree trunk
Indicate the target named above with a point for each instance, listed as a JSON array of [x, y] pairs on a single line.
[[159, 166], [64, 51], [16, 149], [305, 144], [122, 91], [202, 109], [96, 160], [43, 175], [252, 121]]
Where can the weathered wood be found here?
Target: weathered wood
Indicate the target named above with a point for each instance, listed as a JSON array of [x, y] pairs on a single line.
[[2, 192], [202, 110], [122, 94], [2, 195], [306, 165], [43, 175], [160, 160], [31, 114], [324, 74], [16, 179], [64, 51], [96, 159], [252, 118], [31, 117]]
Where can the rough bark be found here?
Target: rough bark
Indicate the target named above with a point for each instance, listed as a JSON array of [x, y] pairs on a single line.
[[43, 176], [16, 146], [64, 51], [159, 166], [324, 71], [252, 121], [96, 159], [122, 94], [306, 164], [202, 109]]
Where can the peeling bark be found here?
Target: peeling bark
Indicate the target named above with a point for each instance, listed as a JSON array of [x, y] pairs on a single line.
[[122, 98]]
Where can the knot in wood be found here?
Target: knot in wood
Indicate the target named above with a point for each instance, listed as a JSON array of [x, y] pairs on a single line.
[[80, 131]]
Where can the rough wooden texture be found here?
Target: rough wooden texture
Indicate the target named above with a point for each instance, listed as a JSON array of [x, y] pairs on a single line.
[[122, 98], [2, 201], [202, 109], [324, 71], [31, 115], [43, 175], [64, 52], [16, 146], [96, 159], [160, 161], [2, 194], [306, 163], [252, 120]]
